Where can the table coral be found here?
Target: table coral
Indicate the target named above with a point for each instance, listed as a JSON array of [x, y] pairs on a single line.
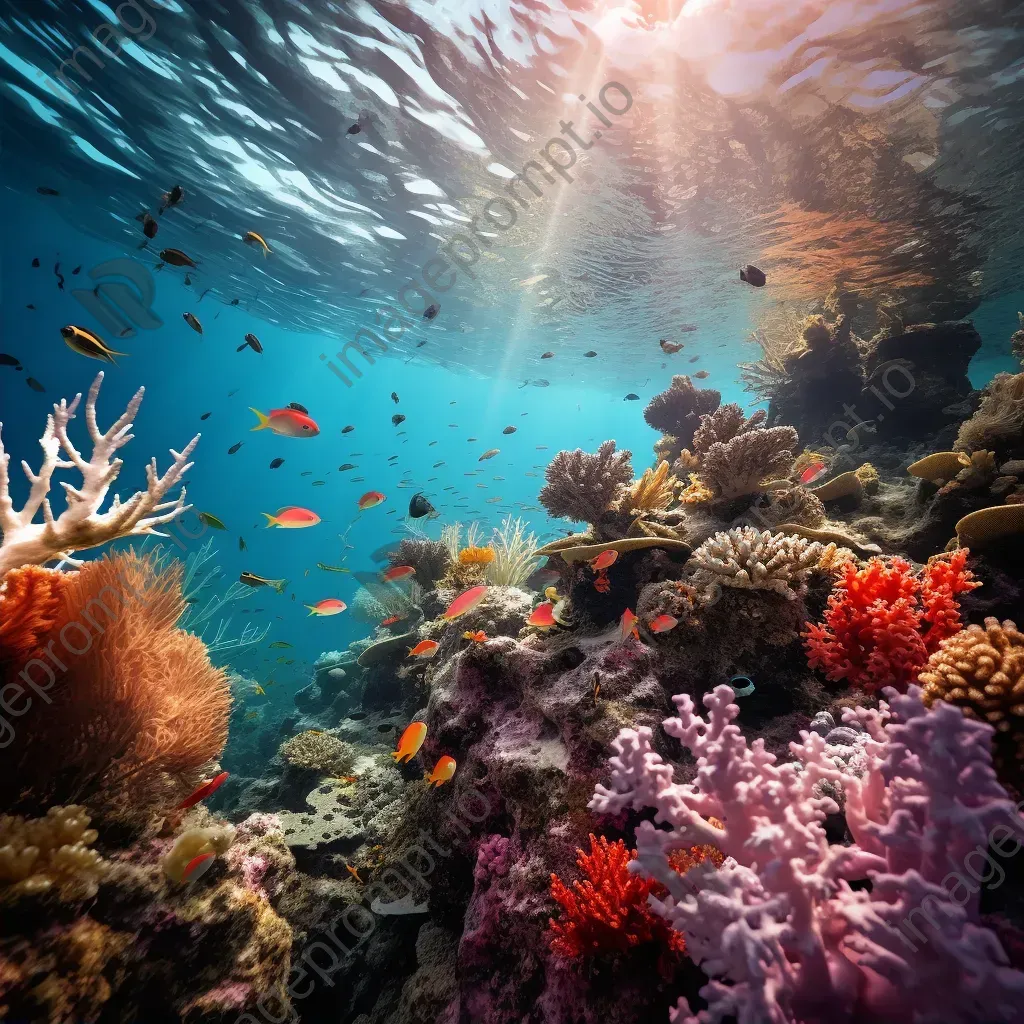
[[882, 621], [581, 486], [778, 928]]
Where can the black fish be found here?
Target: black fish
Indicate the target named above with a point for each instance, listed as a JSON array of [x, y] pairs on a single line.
[[44, 191], [34, 384], [6, 360], [171, 198], [753, 276], [277, 463], [188, 280], [30, 306], [206, 416], [631, 397], [234, 302], [35, 262], [397, 418], [234, 448], [149, 225], [77, 270], [589, 355], [353, 129], [60, 277], [510, 430], [298, 408], [431, 311], [394, 397], [348, 429], [346, 466], [420, 507]]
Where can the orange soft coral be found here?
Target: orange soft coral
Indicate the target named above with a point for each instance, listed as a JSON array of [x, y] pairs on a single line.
[[476, 556], [883, 621], [29, 604], [134, 706]]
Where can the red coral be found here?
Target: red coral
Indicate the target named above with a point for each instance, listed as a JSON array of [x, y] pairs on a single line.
[[29, 604], [882, 621]]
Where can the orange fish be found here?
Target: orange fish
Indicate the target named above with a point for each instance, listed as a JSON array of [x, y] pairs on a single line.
[[424, 649], [542, 616], [465, 602], [411, 741], [663, 623], [369, 499], [443, 771], [399, 572], [601, 582], [604, 560], [205, 790], [292, 517], [628, 623], [197, 867], [286, 422], [354, 873], [328, 606], [391, 620], [478, 637]]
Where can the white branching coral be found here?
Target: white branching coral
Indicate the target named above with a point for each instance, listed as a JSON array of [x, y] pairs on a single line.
[[82, 525], [757, 560]]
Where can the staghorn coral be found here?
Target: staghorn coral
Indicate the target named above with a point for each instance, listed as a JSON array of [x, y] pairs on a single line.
[[998, 423], [981, 671], [581, 486], [882, 622], [739, 466], [430, 559], [29, 603], [81, 524], [755, 560], [49, 855], [136, 709], [318, 752], [778, 927], [654, 491], [723, 425], [678, 410]]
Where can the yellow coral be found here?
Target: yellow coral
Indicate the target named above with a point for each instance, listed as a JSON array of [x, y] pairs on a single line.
[[40, 855], [981, 670], [868, 477], [654, 490], [696, 492], [476, 556]]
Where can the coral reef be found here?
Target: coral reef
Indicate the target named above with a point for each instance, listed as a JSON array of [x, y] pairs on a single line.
[[998, 423], [580, 486], [429, 558], [741, 465], [678, 410], [318, 751]]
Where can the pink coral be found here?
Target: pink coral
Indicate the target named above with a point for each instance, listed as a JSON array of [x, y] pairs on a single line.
[[492, 858], [883, 621], [778, 928]]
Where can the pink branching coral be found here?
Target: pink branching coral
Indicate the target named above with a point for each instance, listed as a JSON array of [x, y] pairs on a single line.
[[778, 928], [883, 621]]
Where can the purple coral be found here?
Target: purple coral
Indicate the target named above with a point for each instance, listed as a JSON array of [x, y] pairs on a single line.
[[678, 410], [778, 928], [492, 858], [581, 486]]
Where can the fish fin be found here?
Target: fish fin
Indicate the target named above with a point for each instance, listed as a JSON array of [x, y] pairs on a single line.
[[264, 421], [280, 588], [312, 609], [271, 520]]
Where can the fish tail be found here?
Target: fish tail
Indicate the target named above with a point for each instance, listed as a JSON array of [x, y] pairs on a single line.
[[271, 520], [312, 610], [264, 421], [396, 755], [280, 587]]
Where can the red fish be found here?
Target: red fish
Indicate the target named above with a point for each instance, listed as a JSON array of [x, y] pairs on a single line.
[[424, 649], [628, 624], [399, 572], [205, 790], [663, 623], [601, 582], [198, 866], [354, 873], [478, 637], [328, 606], [465, 602], [411, 741], [813, 473], [443, 771], [604, 560], [369, 499], [286, 422], [292, 517], [391, 620], [542, 616]]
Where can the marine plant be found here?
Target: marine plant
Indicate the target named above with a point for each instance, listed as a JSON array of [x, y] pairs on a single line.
[[474, 555], [883, 621], [81, 524], [513, 554], [778, 927]]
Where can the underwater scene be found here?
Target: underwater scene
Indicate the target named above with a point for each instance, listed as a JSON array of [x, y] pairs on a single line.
[[511, 512]]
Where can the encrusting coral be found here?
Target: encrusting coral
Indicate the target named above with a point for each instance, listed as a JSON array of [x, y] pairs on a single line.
[[319, 752], [581, 486], [882, 621], [778, 927], [81, 524]]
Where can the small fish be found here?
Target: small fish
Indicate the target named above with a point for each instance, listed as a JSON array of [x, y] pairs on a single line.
[[43, 190], [489, 454], [30, 306], [354, 129], [669, 347], [280, 643], [209, 519], [394, 397], [431, 311], [424, 649], [701, 375], [34, 384], [77, 270], [813, 473], [355, 874], [6, 360], [358, 479], [443, 771], [348, 429], [369, 499], [542, 616], [241, 544], [198, 866], [346, 466], [411, 741], [589, 355], [292, 517], [541, 383], [548, 355], [250, 579], [192, 320], [465, 602], [206, 415], [319, 483], [259, 691], [391, 620], [177, 258], [693, 359], [478, 637], [307, 472], [741, 690], [205, 790], [149, 225], [347, 778], [604, 559], [397, 419], [87, 343], [688, 328], [234, 448], [471, 439], [188, 282], [35, 262], [663, 623], [276, 463], [399, 572], [631, 397], [332, 568], [627, 624], [233, 302], [234, 392], [60, 277], [753, 276], [286, 422], [172, 198], [251, 238], [328, 606]]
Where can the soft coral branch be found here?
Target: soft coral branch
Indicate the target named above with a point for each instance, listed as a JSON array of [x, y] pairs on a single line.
[[82, 524]]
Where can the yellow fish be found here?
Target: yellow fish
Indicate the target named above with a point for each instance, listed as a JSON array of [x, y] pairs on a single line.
[[260, 692], [251, 238], [88, 344]]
